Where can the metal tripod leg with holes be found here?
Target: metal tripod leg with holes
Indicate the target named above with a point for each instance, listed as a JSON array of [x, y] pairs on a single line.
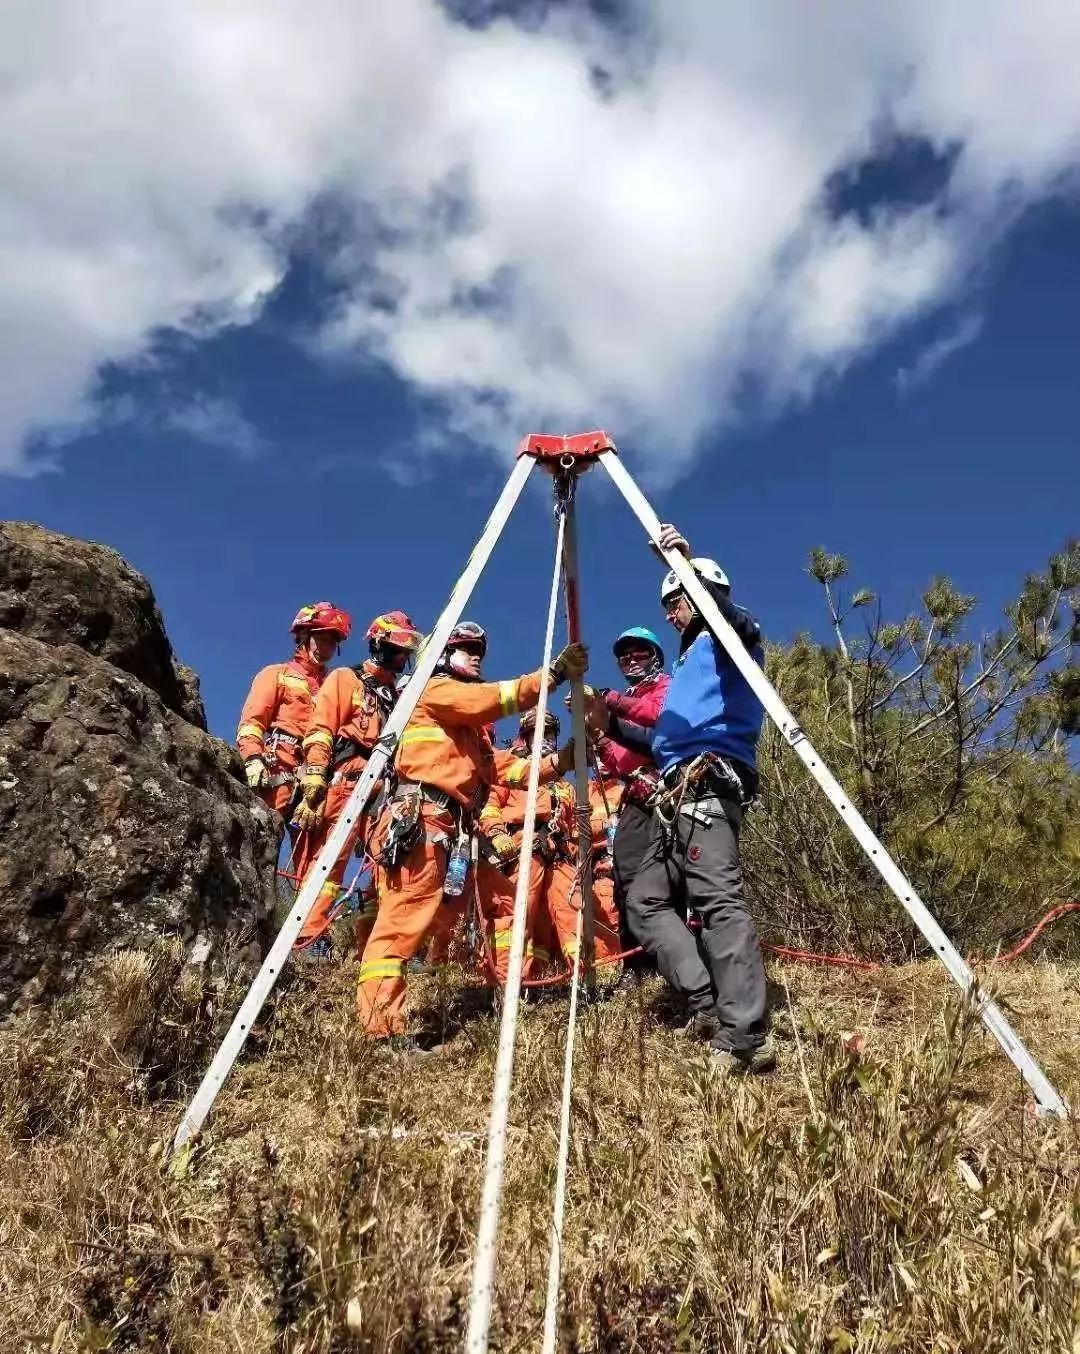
[[273, 963], [553, 458], [600, 446], [1047, 1099]]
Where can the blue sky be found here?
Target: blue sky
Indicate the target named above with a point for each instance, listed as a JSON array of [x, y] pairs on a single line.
[[281, 287], [972, 473]]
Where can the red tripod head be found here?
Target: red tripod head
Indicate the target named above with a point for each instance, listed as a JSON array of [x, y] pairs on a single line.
[[571, 454]]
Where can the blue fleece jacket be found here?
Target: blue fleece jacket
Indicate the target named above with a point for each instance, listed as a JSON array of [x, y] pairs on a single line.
[[710, 706]]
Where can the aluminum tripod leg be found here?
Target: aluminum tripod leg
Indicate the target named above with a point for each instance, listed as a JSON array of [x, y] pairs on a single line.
[[272, 965], [572, 594], [1047, 1099]]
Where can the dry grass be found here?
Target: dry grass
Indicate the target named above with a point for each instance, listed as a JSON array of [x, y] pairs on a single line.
[[900, 1197]]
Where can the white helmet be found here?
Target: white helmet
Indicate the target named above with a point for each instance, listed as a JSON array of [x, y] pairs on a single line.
[[706, 569]]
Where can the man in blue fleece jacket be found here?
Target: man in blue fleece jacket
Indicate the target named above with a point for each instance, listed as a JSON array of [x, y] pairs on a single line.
[[704, 744]]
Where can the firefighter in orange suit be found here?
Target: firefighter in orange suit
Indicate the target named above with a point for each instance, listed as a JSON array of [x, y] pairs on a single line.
[[445, 766], [501, 823], [351, 709], [277, 712], [564, 888]]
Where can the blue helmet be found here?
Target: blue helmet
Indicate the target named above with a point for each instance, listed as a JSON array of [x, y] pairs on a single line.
[[640, 632]]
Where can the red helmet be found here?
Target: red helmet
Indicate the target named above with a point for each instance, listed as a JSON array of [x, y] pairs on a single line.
[[527, 727], [465, 632], [528, 722], [322, 616], [468, 632], [394, 627]]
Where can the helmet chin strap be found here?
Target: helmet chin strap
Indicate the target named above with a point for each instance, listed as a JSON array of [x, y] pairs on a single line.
[[520, 748], [642, 673]]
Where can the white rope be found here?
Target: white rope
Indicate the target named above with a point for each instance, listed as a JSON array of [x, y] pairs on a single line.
[[559, 1209], [584, 930], [487, 1232]]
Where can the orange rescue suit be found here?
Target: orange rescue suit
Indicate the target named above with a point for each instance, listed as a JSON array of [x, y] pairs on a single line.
[[275, 718], [564, 894], [504, 812], [350, 711], [444, 746]]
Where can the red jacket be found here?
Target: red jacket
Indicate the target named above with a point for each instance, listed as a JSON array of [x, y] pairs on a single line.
[[641, 704]]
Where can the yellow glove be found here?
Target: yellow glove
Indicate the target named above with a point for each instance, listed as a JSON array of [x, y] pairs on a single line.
[[255, 773], [313, 789], [572, 663], [506, 853]]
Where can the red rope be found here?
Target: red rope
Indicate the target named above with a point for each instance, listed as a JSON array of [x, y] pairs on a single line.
[[840, 960], [837, 960], [812, 956], [1033, 935]]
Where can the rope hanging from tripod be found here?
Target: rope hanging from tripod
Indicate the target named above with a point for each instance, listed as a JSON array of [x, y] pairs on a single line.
[[551, 1306], [487, 1231], [583, 925]]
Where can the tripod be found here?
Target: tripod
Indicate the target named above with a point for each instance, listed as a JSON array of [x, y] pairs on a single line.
[[567, 458]]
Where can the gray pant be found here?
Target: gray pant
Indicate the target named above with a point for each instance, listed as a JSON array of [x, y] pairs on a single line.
[[628, 850], [720, 970]]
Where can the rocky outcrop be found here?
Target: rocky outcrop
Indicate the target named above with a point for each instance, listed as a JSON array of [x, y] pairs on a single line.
[[121, 818], [65, 591]]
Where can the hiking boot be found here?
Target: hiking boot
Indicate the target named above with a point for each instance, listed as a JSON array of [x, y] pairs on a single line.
[[628, 983], [411, 1046], [702, 1025], [753, 1062], [599, 992]]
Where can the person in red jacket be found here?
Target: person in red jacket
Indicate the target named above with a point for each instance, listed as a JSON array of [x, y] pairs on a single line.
[[444, 769], [641, 661], [277, 713], [351, 708]]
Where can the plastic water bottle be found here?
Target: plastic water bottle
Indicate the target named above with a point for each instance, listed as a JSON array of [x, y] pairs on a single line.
[[457, 869], [609, 832]]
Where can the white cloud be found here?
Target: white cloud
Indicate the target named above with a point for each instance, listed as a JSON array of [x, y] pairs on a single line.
[[214, 421], [536, 244], [926, 362]]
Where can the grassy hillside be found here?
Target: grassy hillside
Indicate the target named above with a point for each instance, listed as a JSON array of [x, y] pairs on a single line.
[[885, 1189]]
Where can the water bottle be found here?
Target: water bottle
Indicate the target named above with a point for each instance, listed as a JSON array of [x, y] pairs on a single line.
[[457, 869], [609, 832]]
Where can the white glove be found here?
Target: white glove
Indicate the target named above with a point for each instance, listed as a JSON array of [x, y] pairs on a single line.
[[255, 773]]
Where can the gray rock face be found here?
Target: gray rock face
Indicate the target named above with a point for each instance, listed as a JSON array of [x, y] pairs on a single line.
[[121, 818], [66, 591]]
